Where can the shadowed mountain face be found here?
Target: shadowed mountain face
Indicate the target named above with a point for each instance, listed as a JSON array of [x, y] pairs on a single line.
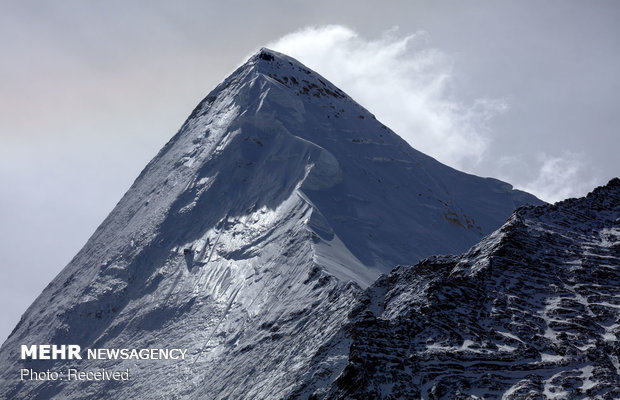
[[247, 241], [532, 311]]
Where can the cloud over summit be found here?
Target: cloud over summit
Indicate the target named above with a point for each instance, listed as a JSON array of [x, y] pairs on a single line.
[[405, 82]]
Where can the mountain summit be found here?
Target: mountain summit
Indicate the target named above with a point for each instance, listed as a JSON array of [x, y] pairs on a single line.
[[247, 241]]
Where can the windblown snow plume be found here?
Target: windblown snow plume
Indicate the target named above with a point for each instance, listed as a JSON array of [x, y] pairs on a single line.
[[407, 84]]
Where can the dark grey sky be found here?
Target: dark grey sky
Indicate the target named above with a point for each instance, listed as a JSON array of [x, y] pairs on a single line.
[[527, 91]]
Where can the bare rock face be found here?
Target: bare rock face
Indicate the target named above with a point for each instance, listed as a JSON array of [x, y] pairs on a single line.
[[248, 240], [532, 311]]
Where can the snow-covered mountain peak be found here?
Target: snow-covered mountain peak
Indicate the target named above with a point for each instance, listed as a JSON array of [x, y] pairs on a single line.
[[294, 75], [256, 225], [275, 127]]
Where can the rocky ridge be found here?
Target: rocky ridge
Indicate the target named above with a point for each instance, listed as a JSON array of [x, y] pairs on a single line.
[[532, 311]]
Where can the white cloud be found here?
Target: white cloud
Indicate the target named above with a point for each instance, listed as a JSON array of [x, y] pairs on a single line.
[[561, 177], [404, 82]]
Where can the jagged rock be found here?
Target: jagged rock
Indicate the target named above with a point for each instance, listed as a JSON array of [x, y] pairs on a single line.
[[532, 311]]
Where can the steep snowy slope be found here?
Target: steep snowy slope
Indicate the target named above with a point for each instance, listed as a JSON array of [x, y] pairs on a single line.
[[532, 311], [246, 241]]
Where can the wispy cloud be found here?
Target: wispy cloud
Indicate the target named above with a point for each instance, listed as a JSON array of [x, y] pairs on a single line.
[[405, 83], [560, 176]]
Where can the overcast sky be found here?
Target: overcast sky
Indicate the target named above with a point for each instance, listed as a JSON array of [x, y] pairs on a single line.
[[526, 91]]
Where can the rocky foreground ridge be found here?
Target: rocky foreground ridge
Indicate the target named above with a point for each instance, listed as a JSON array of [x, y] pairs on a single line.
[[532, 311]]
